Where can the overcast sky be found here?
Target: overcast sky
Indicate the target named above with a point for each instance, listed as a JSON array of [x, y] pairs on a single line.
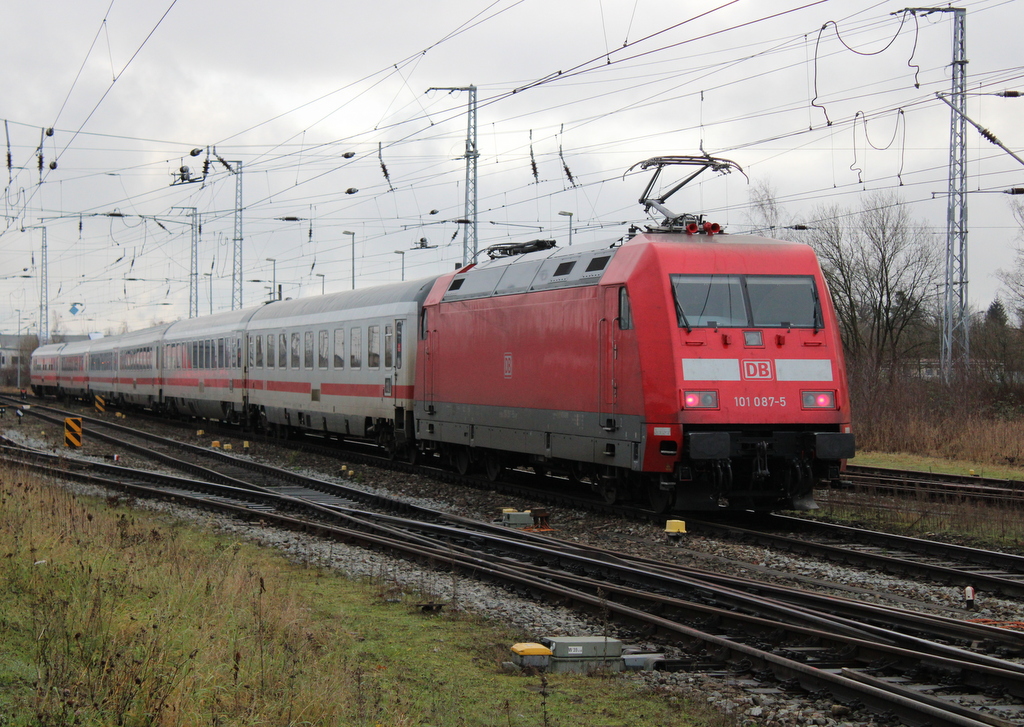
[[823, 101]]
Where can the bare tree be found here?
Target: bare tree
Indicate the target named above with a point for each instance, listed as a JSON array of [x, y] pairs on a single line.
[[882, 270], [765, 210], [1013, 279]]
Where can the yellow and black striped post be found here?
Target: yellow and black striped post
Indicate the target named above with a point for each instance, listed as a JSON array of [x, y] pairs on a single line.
[[73, 432], [101, 405]]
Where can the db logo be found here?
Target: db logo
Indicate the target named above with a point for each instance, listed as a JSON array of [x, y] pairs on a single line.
[[508, 365], [757, 369]]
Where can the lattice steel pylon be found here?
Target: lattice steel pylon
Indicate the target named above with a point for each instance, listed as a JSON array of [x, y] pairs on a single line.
[[955, 355], [956, 338], [236, 264], [44, 295], [470, 238]]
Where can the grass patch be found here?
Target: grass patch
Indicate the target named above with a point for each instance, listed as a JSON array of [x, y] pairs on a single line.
[[938, 465], [110, 616]]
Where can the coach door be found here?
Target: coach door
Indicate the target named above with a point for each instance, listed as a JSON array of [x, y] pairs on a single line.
[[390, 365], [608, 358], [429, 342]]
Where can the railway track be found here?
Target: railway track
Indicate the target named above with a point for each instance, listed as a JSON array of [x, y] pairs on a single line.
[[858, 652], [723, 623], [959, 488], [986, 571]]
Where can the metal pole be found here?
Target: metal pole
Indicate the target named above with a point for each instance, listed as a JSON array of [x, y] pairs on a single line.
[[210, 276], [19, 349], [956, 346], [402, 253], [470, 237], [569, 215], [346, 232], [44, 297], [236, 278], [273, 289], [323, 283]]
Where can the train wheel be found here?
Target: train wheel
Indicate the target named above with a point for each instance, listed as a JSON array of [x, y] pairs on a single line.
[[578, 472], [660, 500], [609, 493], [460, 460], [493, 466]]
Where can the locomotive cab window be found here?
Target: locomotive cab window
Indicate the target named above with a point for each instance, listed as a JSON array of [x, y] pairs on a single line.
[[784, 301], [746, 301]]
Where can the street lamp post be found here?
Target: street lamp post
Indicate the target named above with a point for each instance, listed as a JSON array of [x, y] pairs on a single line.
[[402, 253], [273, 289], [210, 276], [323, 283], [569, 215], [346, 232]]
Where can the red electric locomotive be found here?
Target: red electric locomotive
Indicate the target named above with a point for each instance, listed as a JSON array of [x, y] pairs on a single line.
[[682, 367], [696, 370]]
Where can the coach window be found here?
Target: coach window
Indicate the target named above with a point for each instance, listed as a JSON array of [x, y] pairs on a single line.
[[282, 351], [339, 348], [355, 348], [321, 350], [258, 343], [307, 350], [399, 325], [625, 310], [270, 350], [221, 358], [373, 347], [389, 340], [296, 346]]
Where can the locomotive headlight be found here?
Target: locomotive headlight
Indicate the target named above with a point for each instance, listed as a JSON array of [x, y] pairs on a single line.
[[818, 399], [700, 399]]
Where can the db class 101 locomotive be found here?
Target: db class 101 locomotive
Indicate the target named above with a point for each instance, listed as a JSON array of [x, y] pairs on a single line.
[[680, 367]]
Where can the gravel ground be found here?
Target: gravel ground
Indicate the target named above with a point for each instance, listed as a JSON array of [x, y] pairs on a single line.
[[535, 619]]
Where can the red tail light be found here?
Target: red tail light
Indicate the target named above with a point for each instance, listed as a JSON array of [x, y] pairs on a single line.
[[700, 399], [818, 399]]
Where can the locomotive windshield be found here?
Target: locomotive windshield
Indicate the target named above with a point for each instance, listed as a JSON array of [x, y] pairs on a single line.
[[746, 301]]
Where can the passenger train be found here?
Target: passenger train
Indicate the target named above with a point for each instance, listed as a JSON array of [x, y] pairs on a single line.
[[679, 366]]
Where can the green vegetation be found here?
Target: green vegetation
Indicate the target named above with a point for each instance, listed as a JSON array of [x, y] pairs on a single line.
[[114, 616], [937, 465]]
